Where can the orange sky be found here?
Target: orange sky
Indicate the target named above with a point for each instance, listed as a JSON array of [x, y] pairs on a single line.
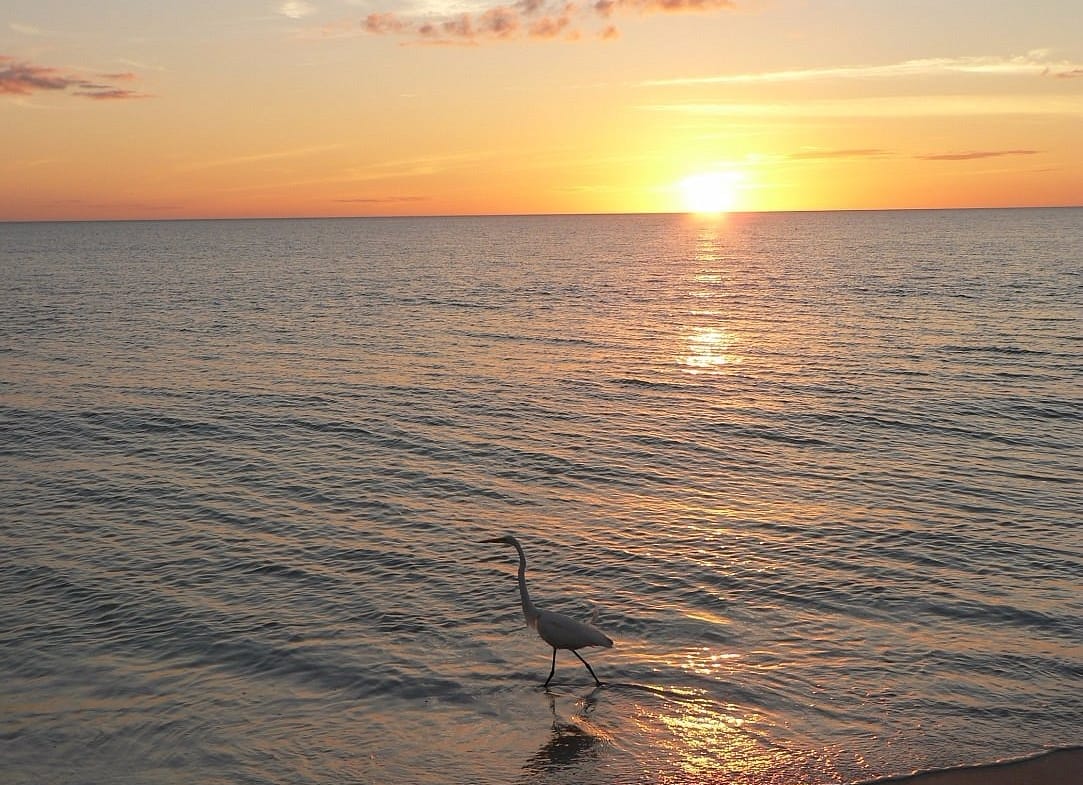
[[144, 109]]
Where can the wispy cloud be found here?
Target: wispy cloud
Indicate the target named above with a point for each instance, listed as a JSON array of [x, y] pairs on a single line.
[[866, 152], [24, 29], [420, 166], [974, 155], [1033, 63], [141, 65], [336, 29], [526, 19], [130, 207], [30, 163], [106, 93], [884, 106], [296, 9], [22, 78], [872, 152], [384, 199], [272, 155]]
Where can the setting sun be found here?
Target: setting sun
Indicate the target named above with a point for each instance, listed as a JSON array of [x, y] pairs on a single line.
[[709, 192]]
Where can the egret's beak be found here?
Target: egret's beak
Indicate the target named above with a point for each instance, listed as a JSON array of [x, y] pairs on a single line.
[[494, 539]]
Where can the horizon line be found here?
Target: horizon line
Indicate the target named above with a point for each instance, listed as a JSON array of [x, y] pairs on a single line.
[[377, 216]]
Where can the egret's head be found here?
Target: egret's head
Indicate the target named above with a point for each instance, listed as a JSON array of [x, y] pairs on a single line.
[[506, 539]]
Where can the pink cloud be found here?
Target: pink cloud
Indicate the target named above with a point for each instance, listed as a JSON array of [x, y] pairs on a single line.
[[537, 19], [501, 21], [387, 22], [22, 78], [550, 26], [678, 6], [605, 8]]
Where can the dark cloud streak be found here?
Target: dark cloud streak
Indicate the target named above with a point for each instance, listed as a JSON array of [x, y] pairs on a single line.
[[868, 152], [22, 78], [975, 155], [384, 199], [110, 94]]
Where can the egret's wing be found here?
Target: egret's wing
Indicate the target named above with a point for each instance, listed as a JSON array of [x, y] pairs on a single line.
[[563, 632]]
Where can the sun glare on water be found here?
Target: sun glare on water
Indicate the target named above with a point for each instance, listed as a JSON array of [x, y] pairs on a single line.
[[709, 192]]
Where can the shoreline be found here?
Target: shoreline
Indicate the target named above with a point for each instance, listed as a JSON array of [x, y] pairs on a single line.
[[1060, 766]]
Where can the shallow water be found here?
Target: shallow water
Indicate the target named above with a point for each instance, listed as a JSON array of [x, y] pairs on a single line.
[[816, 474]]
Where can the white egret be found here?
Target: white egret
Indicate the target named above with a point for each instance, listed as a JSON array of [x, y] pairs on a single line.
[[556, 629]]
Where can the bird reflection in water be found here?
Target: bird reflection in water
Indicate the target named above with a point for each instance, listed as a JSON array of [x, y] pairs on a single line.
[[570, 742]]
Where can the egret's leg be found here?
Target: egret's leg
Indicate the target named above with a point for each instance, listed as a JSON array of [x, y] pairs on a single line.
[[552, 670], [585, 663]]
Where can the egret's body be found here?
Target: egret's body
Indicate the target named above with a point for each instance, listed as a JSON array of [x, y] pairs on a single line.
[[556, 629]]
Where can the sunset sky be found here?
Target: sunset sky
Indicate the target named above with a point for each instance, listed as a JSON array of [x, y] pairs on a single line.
[[148, 109]]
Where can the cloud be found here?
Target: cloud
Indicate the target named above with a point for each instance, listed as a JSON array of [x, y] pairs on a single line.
[[22, 78], [868, 152], [607, 8], [871, 152], [884, 106], [22, 29], [676, 6], [343, 27], [296, 9], [527, 19], [384, 199], [105, 93], [34, 31], [386, 22], [420, 166], [974, 155], [141, 65], [1034, 63], [118, 204], [273, 155]]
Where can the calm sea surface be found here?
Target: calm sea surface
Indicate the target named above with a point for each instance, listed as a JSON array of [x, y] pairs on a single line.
[[818, 476]]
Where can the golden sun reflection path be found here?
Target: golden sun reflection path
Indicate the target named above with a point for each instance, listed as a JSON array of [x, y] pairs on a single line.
[[707, 726], [706, 346], [708, 349], [691, 737], [723, 338], [713, 742]]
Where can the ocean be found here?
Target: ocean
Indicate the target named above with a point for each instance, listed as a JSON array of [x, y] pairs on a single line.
[[816, 474]]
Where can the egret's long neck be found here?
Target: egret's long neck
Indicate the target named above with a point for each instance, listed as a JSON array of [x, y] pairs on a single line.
[[530, 613]]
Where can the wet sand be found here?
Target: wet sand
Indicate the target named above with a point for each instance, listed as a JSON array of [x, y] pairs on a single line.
[[1057, 767]]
